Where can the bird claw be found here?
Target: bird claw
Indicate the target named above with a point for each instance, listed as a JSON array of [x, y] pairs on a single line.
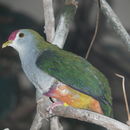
[[53, 105]]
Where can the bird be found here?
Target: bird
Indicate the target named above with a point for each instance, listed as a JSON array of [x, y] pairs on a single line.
[[60, 74]]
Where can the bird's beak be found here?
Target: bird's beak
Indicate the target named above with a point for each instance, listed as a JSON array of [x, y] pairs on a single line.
[[6, 44]]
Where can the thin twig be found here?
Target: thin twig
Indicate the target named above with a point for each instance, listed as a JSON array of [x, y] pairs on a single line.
[[96, 29], [124, 93], [115, 23]]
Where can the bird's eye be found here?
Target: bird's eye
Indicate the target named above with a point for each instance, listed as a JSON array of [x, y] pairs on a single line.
[[21, 35]]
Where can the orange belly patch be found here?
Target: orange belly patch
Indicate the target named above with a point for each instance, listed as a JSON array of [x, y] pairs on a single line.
[[74, 98]]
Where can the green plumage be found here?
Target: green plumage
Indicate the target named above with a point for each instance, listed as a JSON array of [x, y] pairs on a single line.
[[76, 72]]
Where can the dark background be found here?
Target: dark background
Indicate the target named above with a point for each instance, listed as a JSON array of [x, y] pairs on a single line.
[[109, 55]]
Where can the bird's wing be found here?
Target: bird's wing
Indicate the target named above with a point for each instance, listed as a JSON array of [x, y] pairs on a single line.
[[76, 72]]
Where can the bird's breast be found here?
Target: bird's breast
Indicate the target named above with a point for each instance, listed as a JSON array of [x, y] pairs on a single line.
[[41, 80]]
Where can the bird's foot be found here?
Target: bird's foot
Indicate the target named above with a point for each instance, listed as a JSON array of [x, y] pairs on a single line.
[[53, 105]]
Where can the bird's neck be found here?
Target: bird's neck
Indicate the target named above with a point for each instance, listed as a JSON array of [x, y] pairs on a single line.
[[28, 60], [29, 56]]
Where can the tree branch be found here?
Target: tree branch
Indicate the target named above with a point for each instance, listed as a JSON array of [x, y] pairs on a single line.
[[59, 40], [40, 119], [50, 32], [66, 18], [82, 115], [115, 23], [37, 122], [92, 117], [49, 19], [56, 125]]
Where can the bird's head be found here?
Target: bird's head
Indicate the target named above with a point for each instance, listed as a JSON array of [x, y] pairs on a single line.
[[24, 39]]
